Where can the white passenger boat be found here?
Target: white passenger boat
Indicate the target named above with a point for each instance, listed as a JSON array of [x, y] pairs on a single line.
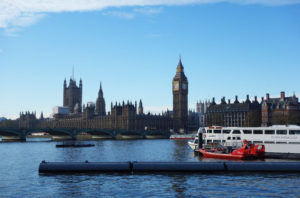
[[280, 141]]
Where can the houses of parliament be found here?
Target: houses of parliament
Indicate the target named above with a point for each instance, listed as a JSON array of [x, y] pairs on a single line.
[[123, 115]]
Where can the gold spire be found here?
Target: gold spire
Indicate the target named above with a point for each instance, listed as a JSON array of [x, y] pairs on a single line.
[[179, 66]]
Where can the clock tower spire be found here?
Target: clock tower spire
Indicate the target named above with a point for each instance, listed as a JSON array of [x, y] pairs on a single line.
[[180, 99]]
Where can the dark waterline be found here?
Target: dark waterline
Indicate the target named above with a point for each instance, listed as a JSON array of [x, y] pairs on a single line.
[[20, 160]]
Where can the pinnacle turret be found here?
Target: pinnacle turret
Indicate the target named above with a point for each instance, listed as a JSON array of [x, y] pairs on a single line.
[[100, 93], [141, 109]]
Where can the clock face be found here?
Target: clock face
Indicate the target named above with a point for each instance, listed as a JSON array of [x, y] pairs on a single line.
[[183, 86], [176, 85]]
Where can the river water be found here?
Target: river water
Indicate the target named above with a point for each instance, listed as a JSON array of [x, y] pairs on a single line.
[[19, 175]]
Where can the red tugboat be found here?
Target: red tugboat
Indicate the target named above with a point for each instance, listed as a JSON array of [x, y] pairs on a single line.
[[248, 151]]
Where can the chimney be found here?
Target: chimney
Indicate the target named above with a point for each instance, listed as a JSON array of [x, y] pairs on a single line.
[[213, 101], [223, 100], [255, 98], [228, 101], [236, 100], [267, 96], [282, 95]]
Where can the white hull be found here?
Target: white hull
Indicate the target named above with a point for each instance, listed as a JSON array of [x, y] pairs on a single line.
[[193, 146]]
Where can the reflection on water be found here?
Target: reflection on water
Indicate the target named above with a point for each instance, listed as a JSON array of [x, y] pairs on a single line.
[[38, 139], [19, 172]]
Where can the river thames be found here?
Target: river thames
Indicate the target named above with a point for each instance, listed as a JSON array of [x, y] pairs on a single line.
[[20, 178]]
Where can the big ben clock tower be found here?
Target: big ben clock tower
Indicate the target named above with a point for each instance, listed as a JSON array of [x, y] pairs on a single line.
[[180, 99]]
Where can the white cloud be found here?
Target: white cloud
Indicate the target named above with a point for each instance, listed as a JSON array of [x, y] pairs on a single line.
[[123, 15], [21, 13], [134, 12], [148, 10]]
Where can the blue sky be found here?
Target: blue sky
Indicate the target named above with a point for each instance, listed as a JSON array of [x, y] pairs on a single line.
[[228, 48]]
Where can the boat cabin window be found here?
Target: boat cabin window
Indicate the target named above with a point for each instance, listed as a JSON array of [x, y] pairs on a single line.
[[217, 141], [269, 142], [281, 132], [228, 138], [294, 142], [217, 131], [238, 138], [236, 132], [226, 131], [280, 142], [257, 132], [247, 131], [233, 138], [209, 131], [257, 142], [294, 132], [269, 132], [209, 141]]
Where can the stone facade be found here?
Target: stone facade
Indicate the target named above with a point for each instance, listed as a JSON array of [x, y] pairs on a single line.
[[234, 114], [282, 110], [27, 119], [121, 116]]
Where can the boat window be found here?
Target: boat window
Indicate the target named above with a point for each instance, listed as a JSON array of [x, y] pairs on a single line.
[[226, 131], [209, 131], [238, 138], [294, 142], [223, 141], [294, 132], [217, 141], [269, 142], [280, 142], [281, 132], [209, 141], [257, 132], [257, 142], [233, 138], [228, 138], [269, 132], [236, 132], [247, 131], [217, 131]]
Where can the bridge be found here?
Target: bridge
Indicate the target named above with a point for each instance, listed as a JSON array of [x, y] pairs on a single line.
[[20, 134]]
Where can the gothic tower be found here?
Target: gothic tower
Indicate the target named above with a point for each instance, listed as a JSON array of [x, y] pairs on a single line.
[[73, 96], [180, 99], [141, 109], [100, 103]]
